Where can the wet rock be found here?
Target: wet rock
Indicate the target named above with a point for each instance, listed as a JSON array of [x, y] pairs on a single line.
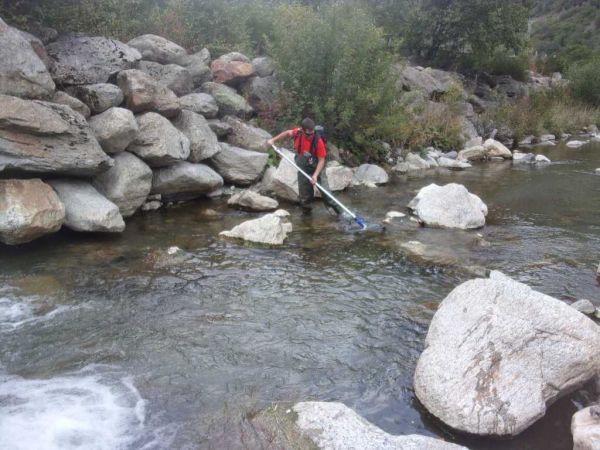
[[228, 100], [598, 171], [476, 153], [82, 59], [185, 181], [370, 174], [160, 50], [284, 183], [158, 142], [151, 205], [115, 129], [200, 103], [541, 159], [282, 213], [268, 229], [203, 141], [453, 163], [488, 333], [449, 206], [43, 137], [585, 428], [338, 177], [175, 77], [220, 128], [496, 149], [75, 104], [246, 136], [547, 137], [252, 201], [239, 166], [394, 215], [231, 72], [143, 93], [22, 72], [86, 209], [584, 306], [126, 184], [519, 157], [575, 144], [263, 66], [98, 97], [29, 209], [415, 162]]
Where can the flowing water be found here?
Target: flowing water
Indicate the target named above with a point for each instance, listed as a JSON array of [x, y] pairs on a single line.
[[110, 342]]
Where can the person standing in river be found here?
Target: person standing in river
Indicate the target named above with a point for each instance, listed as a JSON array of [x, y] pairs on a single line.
[[310, 155]]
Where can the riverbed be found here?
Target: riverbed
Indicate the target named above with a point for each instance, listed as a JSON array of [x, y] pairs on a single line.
[[111, 342]]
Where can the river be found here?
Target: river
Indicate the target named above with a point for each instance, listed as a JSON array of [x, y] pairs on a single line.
[[110, 342]]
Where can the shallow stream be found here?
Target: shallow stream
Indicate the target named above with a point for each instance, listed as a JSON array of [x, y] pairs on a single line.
[[110, 342]]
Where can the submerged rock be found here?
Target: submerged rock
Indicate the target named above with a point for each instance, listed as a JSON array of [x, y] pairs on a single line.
[[252, 201], [585, 428], [449, 206], [498, 353], [86, 209], [269, 229], [29, 209]]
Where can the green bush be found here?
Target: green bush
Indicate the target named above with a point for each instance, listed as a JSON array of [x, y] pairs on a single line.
[[585, 81], [503, 63]]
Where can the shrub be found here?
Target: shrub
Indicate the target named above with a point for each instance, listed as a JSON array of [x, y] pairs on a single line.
[[585, 81]]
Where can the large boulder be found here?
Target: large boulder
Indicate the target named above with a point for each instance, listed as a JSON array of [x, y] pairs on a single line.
[[158, 142], [331, 425], [231, 72], [86, 209], [495, 149], [449, 206], [268, 229], [370, 174], [585, 428], [263, 66], [126, 184], [252, 201], [338, 177], [246, 136], [29, 209], [75, 104], [228, 100], [175, 77], [79, 59], [199, 71], [498, 353], [98, 97], [160, 50], [284, 183], [43, 137], [475, 153], [38, 47], [200, 103], [185, 181], [220, 128], [115, 129], [262, 92], [203, 141], [143, 93], [22, 72], [239, 166], [431, 82]]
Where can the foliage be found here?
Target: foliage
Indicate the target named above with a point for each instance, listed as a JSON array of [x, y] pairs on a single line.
[[585, 81]]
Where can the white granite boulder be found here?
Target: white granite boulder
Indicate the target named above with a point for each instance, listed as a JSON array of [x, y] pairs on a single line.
[[284, 181], [185, 181], [498, 354], [252, 201], [268, 229], [370, 174], [449, 206], [239, 166], [585, 428]]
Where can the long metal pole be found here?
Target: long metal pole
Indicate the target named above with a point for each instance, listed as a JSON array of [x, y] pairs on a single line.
[[323, 190]]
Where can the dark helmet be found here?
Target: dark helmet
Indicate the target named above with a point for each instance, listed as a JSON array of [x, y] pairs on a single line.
[[308, 124]]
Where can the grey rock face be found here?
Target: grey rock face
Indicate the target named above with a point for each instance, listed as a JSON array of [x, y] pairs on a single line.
[[228, 100], [585, 428], [252, 201], [452, 163], [126, 184], [246, 136], [263, 66], [449, 206], [175, 77], [86, 209], [158, 49], [339, 177], [98, 97], [115, 129], [370, 174], [269, 229], [38, 47], [498, 353], [262, 92], [332, 425], [143, 93], [158, 142], [185, 181], [284, 183], [203, 141], [239, 166], [220, 128], [81, 59], [22, 72], [29, 209], [496, 149], [199, 70], [200, 103], [75, 104], [43, 137]]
